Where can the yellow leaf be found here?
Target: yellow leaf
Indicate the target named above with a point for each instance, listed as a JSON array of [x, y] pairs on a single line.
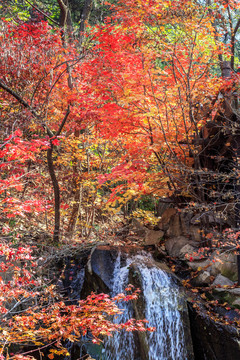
[[194, 290]]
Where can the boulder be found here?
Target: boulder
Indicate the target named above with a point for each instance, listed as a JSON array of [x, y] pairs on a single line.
[[196, 219], [236, 303], [222, 281], [195, 233], [227, 295], [102, 264], [166, 217], [235, 291], [199, 264], [203, 278], [175, 244], [226, 265], [162, 206], [186, 249], [99, 271], [138, 228], [153, 237], [177, 226]]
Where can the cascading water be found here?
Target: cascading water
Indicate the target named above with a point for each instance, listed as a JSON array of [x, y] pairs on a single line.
[[117, 345], [163, 307]]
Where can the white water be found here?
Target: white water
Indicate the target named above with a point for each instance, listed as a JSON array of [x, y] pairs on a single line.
[[163, 308]]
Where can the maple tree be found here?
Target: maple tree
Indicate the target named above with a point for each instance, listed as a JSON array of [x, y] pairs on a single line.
[[152, 112], [38, 82]]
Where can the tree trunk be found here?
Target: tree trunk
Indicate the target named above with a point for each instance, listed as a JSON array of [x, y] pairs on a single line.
[[84, 17], [75, 211], [52, 174], [56, 194], [226, 69]]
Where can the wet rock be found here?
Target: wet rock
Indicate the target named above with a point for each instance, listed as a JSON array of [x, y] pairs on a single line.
[[102, 264], [212, 340], [139, 306], [99, 271], [163, 266], [222, 281], [153, 237]]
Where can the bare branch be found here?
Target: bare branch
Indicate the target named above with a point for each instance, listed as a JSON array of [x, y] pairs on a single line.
[[237, 27], [43, 13], [26, 105], [63, 122]]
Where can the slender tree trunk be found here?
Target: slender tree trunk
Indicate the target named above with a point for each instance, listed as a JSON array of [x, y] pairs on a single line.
[[56, 189], [84, 18], [56, 194], [75, 211], [65, 20], [52, 136]]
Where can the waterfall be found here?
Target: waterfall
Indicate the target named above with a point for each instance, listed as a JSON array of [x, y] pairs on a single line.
[[116, 346], [164, 306]]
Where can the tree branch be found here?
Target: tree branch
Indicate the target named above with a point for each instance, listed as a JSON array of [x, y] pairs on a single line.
[[41, 12], [63, 122], [26, 105], [51, 170], [237, 27]]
